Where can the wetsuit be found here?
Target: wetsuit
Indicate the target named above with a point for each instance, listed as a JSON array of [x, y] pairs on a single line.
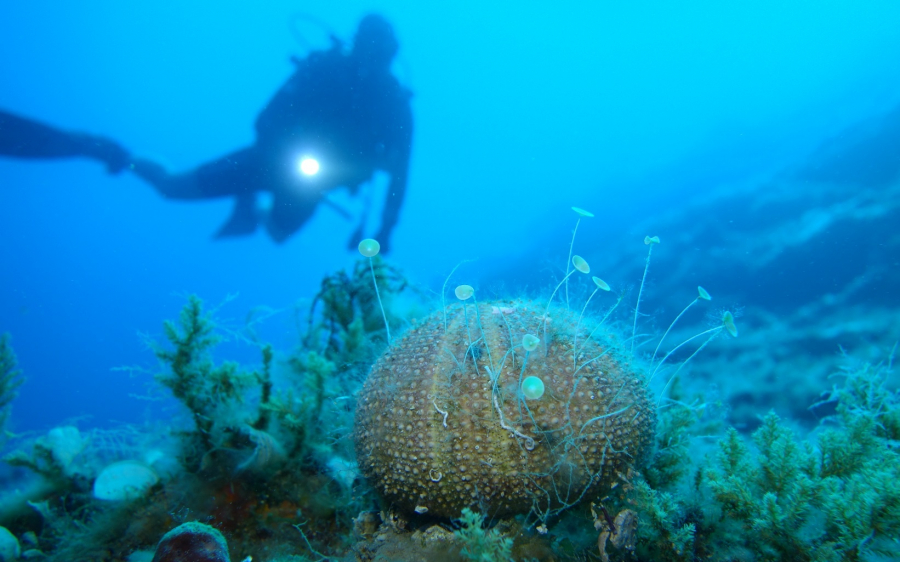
[[351, 124], [346, 110], [25, 138]]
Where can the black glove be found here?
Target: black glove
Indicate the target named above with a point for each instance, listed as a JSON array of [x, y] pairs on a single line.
[[107, 151]]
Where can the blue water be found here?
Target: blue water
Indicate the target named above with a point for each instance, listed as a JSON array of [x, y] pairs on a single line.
[[521, 110]]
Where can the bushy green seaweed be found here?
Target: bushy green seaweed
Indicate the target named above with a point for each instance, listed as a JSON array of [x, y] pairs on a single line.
[[349, 314], [663, 529], [778, 497], [293, 427], [480, 544], [679, 422], [769, 493], [268, 447], [192, 376], [10, 380]]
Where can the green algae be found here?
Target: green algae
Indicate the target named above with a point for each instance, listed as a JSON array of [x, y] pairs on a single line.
[[10, 380], [777, 496], [704, 493]]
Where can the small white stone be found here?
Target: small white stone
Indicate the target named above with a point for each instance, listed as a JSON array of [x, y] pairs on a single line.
[[124, 480]]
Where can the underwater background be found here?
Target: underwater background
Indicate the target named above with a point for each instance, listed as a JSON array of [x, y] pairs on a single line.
[[760, 142]]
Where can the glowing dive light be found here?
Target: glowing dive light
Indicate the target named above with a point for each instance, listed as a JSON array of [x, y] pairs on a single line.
[[308, 166]]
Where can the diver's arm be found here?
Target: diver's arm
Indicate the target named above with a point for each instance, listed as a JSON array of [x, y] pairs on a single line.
[[398, 168], [25, 138]]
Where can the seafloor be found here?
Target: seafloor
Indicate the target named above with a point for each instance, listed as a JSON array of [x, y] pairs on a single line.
[[774, 437]]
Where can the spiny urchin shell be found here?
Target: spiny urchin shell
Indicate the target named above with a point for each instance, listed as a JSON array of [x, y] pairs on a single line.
[[442, 423]]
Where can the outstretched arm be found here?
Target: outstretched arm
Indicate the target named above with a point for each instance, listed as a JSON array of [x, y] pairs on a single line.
[[398, 168], [25, 138]]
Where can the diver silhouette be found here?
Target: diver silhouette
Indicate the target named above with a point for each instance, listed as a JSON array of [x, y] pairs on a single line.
[[21, 137], [337, 120]]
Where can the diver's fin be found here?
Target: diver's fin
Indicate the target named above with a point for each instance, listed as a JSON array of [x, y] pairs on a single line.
[[244, 218], [356, 237]]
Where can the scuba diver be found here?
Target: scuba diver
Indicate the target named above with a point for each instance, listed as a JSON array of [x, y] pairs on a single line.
[[21, 137], [338, 119]]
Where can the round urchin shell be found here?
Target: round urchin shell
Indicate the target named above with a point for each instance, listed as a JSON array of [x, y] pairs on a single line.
[[441, 423]]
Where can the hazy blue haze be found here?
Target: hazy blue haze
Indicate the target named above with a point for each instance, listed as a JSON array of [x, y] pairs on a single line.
[[522, 110]]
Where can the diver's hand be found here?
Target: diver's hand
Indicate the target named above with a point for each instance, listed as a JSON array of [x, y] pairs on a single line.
[[106, 150]]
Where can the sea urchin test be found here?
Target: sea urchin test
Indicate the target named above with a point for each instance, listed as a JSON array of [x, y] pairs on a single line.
[[466, 409]]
